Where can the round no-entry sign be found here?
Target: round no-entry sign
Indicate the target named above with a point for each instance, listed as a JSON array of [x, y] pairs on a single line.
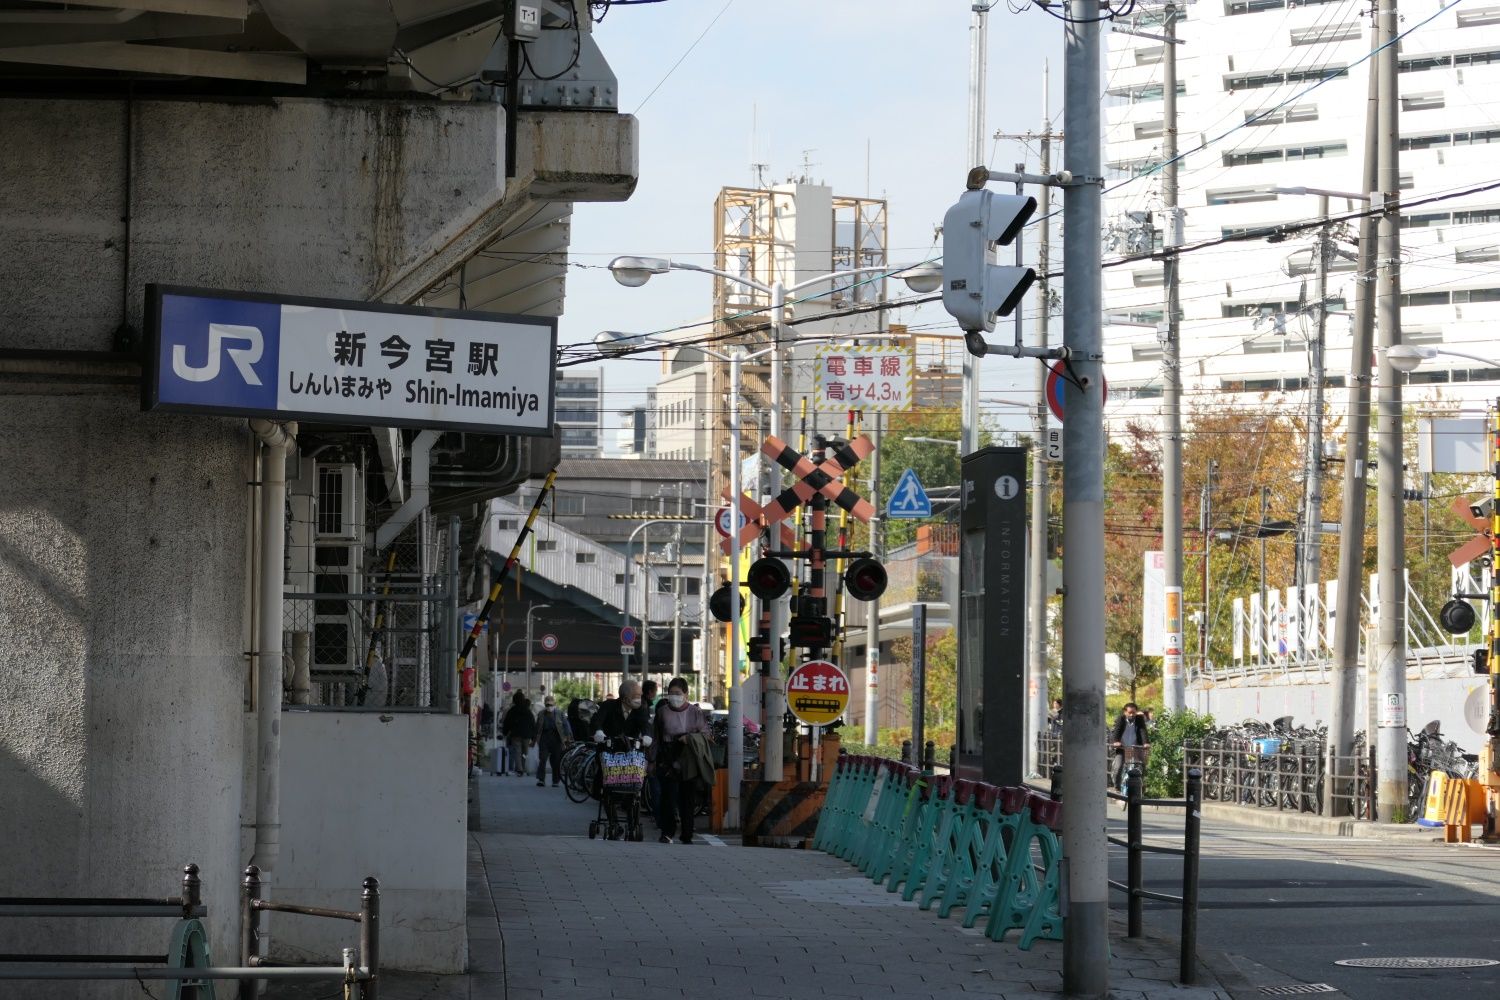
[[549, 642], [627, 636], [817, 692], [724, 522], [1055, 389]]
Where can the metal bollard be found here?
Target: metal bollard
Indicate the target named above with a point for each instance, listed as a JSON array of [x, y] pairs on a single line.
[[369, 936], [192, 898], [192, 891], [1188, 962], [1133, 877], [929, 757], [249, 929], [906, 752]]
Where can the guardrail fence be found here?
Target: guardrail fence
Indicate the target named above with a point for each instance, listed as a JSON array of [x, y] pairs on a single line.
[[185, 962], [1135, 846]]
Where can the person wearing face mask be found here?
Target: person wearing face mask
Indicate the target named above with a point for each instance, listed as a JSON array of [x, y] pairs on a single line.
[[625, 716], [681, 730], [552, 732]]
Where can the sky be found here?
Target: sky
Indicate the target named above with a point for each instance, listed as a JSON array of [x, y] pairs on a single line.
[[872, 93]]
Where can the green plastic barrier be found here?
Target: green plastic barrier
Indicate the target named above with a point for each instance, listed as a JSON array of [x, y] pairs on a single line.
[[998, 817], [1021, 892], [948, 853], [991, 852], [189, 950]]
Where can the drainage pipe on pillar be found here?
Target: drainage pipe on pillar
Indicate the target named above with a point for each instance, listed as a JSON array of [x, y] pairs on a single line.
[[278, 439], [301, 668]]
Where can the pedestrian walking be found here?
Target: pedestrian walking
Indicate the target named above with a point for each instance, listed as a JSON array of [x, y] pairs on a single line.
[[552, 733], [1129, 740], [681, 730], [621, 717], [519, 728]]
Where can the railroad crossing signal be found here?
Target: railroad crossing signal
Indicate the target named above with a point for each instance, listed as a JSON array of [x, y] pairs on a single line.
[[814, 479], [750, 527], [1481, 544]]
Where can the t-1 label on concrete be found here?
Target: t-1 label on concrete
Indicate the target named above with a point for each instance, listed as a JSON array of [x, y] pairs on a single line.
[[288, 357]]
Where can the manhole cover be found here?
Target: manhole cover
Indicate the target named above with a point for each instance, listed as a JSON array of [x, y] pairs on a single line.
[[1417, 963]]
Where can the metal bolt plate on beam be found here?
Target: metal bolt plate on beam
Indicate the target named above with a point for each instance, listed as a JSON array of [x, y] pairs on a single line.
[[1298, 989], [1417, 963]]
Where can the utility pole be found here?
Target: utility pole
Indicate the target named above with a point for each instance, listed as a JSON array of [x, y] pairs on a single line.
[[1037, 700], [872, 628], [774, 698], [1173, 686], [1085, 862], [1310, 562], [978, 63], [1346, 624], [1041, 511], [1390, 756], [1265, 496], [677, 594], [1206, 525]]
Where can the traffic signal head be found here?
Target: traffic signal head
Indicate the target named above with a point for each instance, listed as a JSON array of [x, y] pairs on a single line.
[[1457, 617], [1481, 661], [975, 290], [719, 603], [865, 579], [810, 633], [769, 578]]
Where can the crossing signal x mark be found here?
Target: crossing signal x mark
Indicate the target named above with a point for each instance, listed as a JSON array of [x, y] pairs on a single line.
[[752, 527], [815, 479]]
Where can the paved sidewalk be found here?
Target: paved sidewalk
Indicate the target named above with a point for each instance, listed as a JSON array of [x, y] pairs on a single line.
[[554, 915]]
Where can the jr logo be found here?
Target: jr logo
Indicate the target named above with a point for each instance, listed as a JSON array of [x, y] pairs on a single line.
[[243, 344]]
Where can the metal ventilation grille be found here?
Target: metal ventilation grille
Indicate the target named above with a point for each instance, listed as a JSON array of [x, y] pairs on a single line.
[[1298, 989]]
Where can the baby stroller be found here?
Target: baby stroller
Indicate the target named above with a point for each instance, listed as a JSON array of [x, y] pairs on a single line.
[[622, 770]]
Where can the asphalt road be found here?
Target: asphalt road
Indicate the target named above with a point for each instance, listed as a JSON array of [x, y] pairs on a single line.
[[1298, 903]]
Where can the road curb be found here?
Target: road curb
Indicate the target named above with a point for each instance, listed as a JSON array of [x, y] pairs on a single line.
[[1266, 819]]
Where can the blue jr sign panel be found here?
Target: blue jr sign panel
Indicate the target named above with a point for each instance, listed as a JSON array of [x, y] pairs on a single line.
[[244, 354]]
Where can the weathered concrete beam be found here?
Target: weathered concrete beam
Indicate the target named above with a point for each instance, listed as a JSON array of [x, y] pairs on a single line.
[[561, 157]]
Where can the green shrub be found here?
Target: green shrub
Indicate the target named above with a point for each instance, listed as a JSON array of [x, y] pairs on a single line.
[[1164, 774], [891, 751]]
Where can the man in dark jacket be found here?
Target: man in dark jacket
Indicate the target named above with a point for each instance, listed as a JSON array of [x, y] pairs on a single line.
[[519, 727], [624, 716], [1129, 732]]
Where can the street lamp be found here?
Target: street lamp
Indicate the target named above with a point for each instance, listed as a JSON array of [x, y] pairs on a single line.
[[1409, 357], [533, 609], [928, 440]]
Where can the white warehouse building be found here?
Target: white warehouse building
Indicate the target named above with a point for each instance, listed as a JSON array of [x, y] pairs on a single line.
[[1248, 74]]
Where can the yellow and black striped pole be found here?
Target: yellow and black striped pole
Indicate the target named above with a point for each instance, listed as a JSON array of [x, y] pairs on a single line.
[[510, 563]]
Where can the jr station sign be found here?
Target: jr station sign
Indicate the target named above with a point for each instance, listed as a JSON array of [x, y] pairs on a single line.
[[288, 357]]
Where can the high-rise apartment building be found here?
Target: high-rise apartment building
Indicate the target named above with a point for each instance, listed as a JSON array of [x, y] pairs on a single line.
[[579, 411], [1250, 97]]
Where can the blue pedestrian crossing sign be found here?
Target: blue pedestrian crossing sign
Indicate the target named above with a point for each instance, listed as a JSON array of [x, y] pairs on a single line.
[[908, 499]]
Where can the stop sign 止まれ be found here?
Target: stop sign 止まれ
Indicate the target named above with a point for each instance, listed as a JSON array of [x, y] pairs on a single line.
[[817, 692]]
